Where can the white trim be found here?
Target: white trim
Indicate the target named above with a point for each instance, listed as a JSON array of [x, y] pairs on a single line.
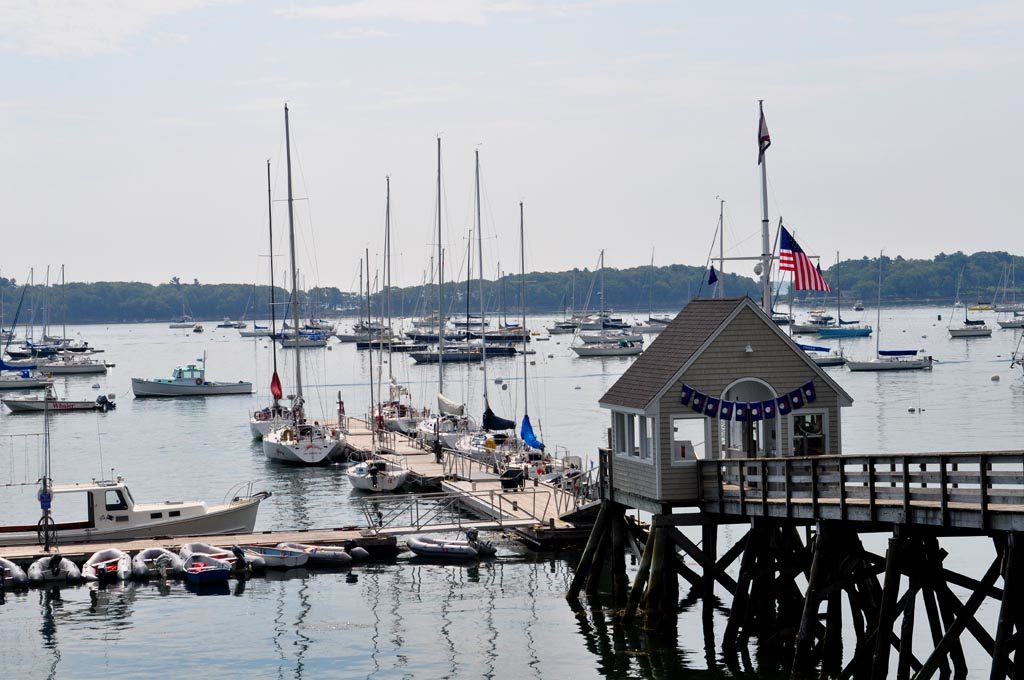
[[844, 399]]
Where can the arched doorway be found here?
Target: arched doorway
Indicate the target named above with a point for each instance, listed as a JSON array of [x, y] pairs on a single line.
[[752, 438]]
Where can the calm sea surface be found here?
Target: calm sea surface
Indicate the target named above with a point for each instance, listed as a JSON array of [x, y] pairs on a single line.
[[506, 618]]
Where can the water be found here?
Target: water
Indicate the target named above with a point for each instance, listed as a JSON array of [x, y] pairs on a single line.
[[506, 618]]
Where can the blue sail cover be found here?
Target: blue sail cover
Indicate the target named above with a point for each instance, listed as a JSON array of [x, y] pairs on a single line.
[[897, 352], [813, 348], [526, 432], [8, 367]]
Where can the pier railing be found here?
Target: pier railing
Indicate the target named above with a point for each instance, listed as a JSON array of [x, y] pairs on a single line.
[[973, 491], [450, 511], [460, 466]]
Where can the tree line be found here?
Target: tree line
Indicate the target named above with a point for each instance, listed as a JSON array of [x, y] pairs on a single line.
[[985, 276]]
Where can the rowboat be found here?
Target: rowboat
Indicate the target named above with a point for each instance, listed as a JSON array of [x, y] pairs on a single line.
[[275, 558]]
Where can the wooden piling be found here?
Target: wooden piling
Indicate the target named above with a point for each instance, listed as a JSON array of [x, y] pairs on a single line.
[[887, 611], [587, 558], [1007, 609]]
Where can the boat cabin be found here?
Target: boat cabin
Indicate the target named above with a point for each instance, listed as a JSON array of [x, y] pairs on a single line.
[[189, 373], [722, 380]]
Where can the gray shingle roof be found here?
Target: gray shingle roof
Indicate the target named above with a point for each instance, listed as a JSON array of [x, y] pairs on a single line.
[[671, 349]]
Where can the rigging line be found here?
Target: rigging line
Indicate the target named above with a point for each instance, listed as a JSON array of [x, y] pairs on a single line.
[[707, 260]]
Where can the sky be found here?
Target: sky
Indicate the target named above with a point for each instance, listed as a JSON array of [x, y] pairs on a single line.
[[135, 132]]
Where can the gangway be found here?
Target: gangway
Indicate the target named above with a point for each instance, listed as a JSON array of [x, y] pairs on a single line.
[[449, 511]]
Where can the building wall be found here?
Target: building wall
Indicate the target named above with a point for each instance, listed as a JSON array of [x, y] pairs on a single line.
[[725, 361]]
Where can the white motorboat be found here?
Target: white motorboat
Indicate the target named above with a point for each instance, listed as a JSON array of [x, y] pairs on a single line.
[[114, 515], [157, 562], [53, 569], [107, 565], [377, 475], [231, 323], [188, 381], [198, 328], [611, 349], [303, 443], [181, 324], [35, 404], [72, 364]]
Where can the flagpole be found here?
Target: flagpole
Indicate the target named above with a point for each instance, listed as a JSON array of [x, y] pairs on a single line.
[[766, 256], [720, 292]]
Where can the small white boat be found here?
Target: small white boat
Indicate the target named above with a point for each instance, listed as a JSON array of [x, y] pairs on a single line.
[[72, 364], [445, 549], [256, 332], [303, 444], [275, 558], [107, 565], [823, 356], [197, 328], [322, 555], [618, 349], [377, 475], [604, 337], [114, 515], [1015, 322], [157, 562], [53, 569], [188, 381], [11, 575]]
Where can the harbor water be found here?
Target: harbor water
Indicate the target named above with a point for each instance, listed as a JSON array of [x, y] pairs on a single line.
[[505, 618]]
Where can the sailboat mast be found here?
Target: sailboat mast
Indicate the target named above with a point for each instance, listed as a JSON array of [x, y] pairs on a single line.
[[387, 263], [522, 308], [440, 281], [601, 314], [878, 309], [480, 254], [766, 254], [273, 310], [650, 290], [63, 307], [373, 405], [291, 244], [720, 288]]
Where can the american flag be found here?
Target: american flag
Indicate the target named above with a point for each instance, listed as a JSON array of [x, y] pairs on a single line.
[[792, 258]]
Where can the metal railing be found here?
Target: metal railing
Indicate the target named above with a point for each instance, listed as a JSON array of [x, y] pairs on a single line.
[[982, 490], [459, 466], [414, 512]]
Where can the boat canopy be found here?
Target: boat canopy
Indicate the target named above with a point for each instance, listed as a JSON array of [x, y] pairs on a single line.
[[449, 407], [897, 352], [813, 348], [493, 422], [974, 322], [22, 369]]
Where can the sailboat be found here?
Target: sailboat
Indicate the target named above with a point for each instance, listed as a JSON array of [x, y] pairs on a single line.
[[843, 328], [972, 328], [450, 421], [608, 342], [276, 415], [890, 359], [298, 441]]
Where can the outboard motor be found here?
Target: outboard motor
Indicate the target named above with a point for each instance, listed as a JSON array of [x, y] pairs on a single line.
[[55, 561], [105, 402], [241, 563]]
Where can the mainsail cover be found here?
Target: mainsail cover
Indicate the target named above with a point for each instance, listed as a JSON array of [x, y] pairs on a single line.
[[526, 432], [493, 422], [449, 407], [8, 367]]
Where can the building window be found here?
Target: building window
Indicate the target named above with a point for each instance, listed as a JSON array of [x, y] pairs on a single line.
[[634, 436], [647, 431], [810, 433], [622, 425], [689, 439]]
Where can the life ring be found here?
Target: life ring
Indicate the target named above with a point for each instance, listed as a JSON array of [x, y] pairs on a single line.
[[199, 381]]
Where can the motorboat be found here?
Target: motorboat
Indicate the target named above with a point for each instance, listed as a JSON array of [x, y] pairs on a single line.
[[72, 364], [108, 565], [275, 558], [377, 474], [188, 381], [231, 323], [53, 568], [823, 356], [322, 555], [858, 306], [157, 562], [35, 404], [446, 549], [11, 575], [303, 443], [181, 324], [197, 328], [112, 514], [610, 349]]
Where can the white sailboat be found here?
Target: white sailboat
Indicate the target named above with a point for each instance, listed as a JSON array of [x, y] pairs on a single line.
[[971, 328], [607, 343], [890, 359], [299, 441]]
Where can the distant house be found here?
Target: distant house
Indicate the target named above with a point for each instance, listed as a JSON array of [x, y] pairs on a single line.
[[721, 380]]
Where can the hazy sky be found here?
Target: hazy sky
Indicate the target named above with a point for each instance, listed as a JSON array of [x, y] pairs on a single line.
[[135, 132]]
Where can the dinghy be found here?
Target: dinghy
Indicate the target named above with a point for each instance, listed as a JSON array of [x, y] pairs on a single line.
[[436, 548], [157, 562], [11, 575], [54, 569], [107, 565], [201, 568], [232, 556], [275, 558], [321, 555]]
